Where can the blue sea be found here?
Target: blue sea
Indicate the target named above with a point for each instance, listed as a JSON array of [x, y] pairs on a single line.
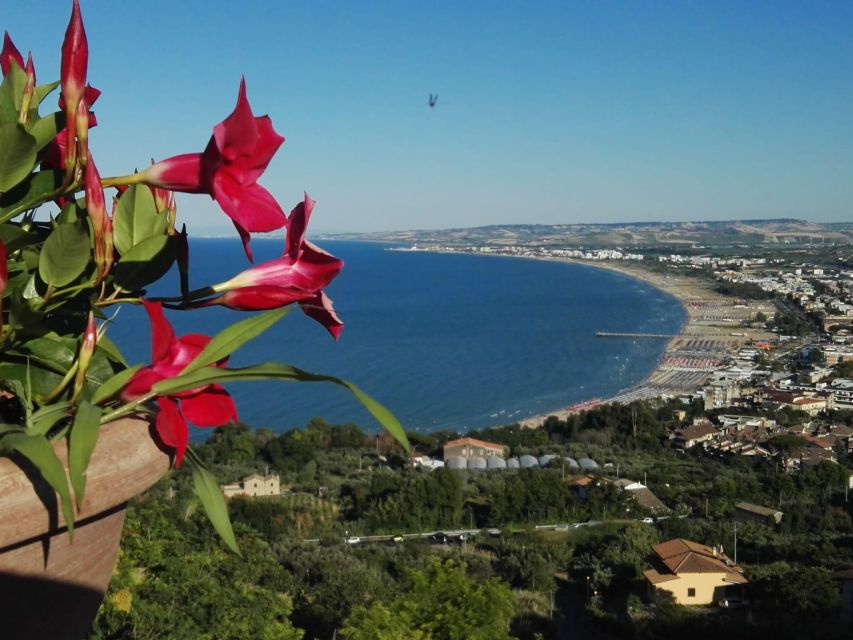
[[446, 341]]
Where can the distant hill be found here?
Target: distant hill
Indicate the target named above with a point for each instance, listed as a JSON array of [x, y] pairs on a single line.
[[781, 231]]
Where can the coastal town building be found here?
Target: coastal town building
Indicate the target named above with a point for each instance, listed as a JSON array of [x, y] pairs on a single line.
[[693, 573], [642, 495], [747, 512], [472, 448], [698, 432], [253, 486]]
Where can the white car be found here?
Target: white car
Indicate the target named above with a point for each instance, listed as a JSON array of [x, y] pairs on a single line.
[[648, 521], [732, 603], [353, 540]]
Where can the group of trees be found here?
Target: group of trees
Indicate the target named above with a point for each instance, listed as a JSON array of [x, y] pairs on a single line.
[[171, 561]]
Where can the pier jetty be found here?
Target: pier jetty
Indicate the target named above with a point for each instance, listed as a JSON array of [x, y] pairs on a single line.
[[612, 334]]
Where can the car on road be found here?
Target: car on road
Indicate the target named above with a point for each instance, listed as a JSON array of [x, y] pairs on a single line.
[[648, 521], [353, 540], [732, 602]]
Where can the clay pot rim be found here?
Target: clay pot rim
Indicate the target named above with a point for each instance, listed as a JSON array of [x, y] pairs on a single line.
[[127, 461]]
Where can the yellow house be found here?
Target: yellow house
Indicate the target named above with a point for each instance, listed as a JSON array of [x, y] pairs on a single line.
[[693, 573], [254, 485]]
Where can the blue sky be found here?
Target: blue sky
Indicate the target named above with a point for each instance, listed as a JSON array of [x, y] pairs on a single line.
[[548, 112]]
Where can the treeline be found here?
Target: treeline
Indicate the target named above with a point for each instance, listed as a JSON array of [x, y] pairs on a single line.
[[748, 290], [176, 580]]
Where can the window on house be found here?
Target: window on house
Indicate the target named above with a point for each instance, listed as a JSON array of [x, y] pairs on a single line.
[[691, 592]]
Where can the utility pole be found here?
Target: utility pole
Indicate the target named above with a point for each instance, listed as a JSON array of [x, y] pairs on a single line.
[[634, 425], [735, 542]]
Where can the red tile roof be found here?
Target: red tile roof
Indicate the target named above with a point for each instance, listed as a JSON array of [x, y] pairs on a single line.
[[474, 442], [684, 556]]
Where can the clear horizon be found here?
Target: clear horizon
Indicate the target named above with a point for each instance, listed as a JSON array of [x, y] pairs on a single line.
[[547, 112]]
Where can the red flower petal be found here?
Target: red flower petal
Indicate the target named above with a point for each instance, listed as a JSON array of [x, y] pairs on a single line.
[[252, 207], [140, 383], [209, 408], [250, 166], [320, 309], [172, 428], [260, 298], [297, 223], [184, 173], [237, 134], [162, 334]]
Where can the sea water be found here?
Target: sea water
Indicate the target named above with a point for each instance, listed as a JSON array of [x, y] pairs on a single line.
[[446, 341]]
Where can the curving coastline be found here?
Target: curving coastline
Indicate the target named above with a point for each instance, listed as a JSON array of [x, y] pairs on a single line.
[[711, 333]]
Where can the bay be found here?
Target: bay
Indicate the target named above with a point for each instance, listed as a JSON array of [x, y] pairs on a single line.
[[446, 341]]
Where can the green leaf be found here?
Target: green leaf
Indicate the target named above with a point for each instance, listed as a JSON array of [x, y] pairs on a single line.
[[43, 380], [71, 213], [81, 444], [45, 129], [10, 428], [284, 372], [37, 450], [111, 350], [136, 219], [44, 419], [113, 385], [12, 93], [37, 188], [17, 155], [44, 90], [65, 254], [14, 238], [208, 491], [232, 338], [53, 351], [145, 263]]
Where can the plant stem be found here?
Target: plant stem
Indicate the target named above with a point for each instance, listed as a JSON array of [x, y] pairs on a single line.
[[128, 407], [39, 200], [133, 178], [109, 301], [192, 295], [72, 371]]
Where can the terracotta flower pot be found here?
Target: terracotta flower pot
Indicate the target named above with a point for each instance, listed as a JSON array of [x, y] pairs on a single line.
[[51, 587]]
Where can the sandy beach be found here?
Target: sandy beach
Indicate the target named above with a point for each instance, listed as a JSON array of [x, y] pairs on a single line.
[[711, 333]]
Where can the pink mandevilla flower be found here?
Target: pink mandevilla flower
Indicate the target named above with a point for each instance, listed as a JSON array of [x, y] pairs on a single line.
[[237, 154], [206, 406], [298, 276]]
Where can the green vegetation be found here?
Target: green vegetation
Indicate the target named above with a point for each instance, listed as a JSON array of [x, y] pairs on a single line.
[[297, 577]]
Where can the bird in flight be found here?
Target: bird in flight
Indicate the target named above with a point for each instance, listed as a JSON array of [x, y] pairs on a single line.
[[433, 99]]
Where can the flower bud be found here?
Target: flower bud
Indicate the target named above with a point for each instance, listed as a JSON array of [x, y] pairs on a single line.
[[75, 60], [29, 89], [101, 222], [87, 348], [8, 54], [81, 127]]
